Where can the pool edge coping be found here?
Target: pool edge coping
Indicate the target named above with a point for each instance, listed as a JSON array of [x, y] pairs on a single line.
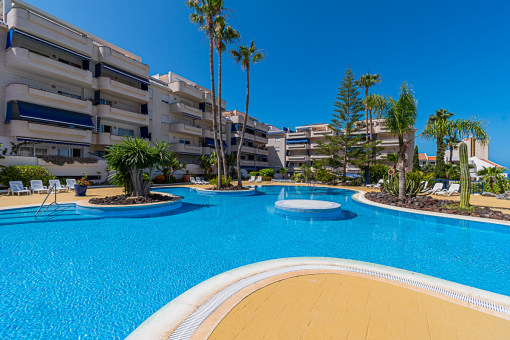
[[164, 322]]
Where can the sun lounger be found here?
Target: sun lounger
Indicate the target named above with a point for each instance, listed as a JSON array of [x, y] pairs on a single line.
[[259, 179], [55, 183], [201, 179], [17, 186], [252, 179], [37, 185], [377, 185], [437, 187], [70, 183], [425, 185], [192, 180], [453, 189]]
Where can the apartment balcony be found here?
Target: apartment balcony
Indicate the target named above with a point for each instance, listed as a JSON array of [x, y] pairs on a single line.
[[319, 156], [240, 120], [185, 90], [117, 59], [207, 98], [208, 117], [247, 163], [247, 136], [49, 30], [322, 133], [297, 146], [261, 163], [206, 150], [261, 151], [389, 142], [206, 133], [186, 148], [185, 109], [380, 129], [300, 158], [122, 116], [20, 128], [28, 94], [300, 134], [106, 138], [261, 139], [23, 60], [185, 129], [247, 149], [117, 89], [261, 127]]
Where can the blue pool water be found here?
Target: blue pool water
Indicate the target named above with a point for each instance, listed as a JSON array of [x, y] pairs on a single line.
[[70, 276]]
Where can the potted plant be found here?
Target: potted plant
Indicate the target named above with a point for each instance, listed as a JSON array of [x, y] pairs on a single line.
[[80, 188], [186, 177]]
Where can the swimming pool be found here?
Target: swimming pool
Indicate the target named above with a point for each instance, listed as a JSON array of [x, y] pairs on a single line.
[[72, 276]]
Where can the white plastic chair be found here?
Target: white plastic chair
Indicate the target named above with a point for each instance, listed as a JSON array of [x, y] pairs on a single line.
[[425, 186], [37, 185], [437, 187], [377, 185], [202, 180], [70, 183], [192, 180], [259, 179], [453, 189], [252, 179], [56, 184], [17, 186]]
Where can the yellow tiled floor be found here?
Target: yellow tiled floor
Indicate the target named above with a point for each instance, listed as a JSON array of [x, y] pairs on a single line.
[[336, 306]]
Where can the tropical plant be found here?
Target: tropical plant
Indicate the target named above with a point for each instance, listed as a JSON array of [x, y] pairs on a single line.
[[226, 181], [25, 173], [365, 82], [283, 171], [452, 142], [489, 174], [206, 164], [393, 159], [428, 168], [439, 126], [377, 171], [414, 184], [267, 173], [342, 146], [231, 162], [452, 171], [134, 155], [416, 159], [224, 35], [245, 55], [501, 184], [465, 178], [254, 173], [325, 176], [399, 117], [206, 12], [307, 171]]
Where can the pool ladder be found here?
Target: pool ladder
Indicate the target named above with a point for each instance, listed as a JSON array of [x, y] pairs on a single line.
[[52, 188]]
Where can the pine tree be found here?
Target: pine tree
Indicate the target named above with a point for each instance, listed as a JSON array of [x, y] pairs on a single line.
[[343, 146], [416, 159]]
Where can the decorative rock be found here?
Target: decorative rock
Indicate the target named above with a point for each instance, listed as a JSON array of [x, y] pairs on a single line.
[[486, 193], [501, 196]]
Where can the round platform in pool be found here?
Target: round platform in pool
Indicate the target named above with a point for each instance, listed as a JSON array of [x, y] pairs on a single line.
[[308, 207]]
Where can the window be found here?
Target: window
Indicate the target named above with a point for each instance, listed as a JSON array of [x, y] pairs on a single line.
[[277, 149], [99, 153], [150, 114], [184, 141], [41, 152], [69, 63], [105, 128], [77, 153], [150, 93], [70, 95], [63, 152], [277, 139], [26, 151], [105, 102], [125, 132]]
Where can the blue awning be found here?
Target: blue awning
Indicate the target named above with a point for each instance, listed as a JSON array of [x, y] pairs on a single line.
[[79, 55], [189, 154], [296, 141], [126, 74], [49, 141], [353, 175], [191, 116], [210, 142], [249, 168], [39, 113]]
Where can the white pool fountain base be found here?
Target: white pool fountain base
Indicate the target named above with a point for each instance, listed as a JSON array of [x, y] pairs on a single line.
[[308, 208]]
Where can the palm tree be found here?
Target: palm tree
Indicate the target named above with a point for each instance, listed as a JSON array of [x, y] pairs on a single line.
[[223, 35], [452, 171], [245, 55], [366, 81], [231, 163], [490, 173], [440, 126], [393, 158], [399, 117], [206, 12], [452, 142]]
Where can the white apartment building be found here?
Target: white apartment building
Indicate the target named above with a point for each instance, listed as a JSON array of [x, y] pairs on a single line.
[[70, 93], [254, 153], [291, 149]]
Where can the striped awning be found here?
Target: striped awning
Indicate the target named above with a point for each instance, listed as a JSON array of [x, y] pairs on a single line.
[[125, 74], [191, 116], [49, 141]]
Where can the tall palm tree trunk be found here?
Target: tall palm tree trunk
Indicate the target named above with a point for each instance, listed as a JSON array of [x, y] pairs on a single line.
[[401, 173], [366, 112], [220, 115], [451, 154], [239, 179], [371, 125], [211, 62]]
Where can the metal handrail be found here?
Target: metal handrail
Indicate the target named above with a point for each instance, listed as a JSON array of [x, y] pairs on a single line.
[[52, 188]]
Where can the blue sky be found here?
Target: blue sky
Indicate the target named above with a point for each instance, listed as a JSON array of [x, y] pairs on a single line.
[[454, 53]]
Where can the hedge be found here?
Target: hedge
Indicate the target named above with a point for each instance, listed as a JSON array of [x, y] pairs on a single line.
[[25, 173]]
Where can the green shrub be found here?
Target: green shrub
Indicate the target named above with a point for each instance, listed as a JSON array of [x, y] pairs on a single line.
[[266, 173], [25, 173], [414, 183], [159, 179], [267, 178], [325, 176], [214, 181], [62, 160], [377, 171], [63, 181], [254, 173]]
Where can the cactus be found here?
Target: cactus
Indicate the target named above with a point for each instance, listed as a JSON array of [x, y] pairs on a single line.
[[414, 184], [465, 178]]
